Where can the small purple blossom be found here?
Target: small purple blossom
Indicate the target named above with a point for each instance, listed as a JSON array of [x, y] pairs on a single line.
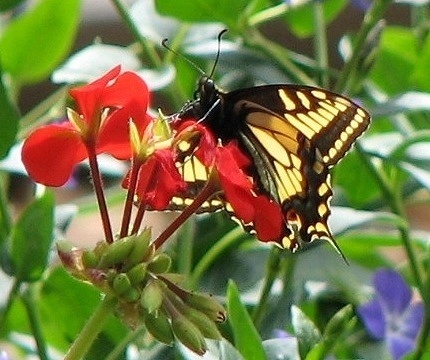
[[392, 316]]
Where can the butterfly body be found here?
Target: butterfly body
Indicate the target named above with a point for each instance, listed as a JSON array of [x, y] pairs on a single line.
[[293, 134]]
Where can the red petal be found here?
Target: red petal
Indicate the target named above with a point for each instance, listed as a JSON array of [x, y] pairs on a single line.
[[268, 220], [89, 97], [164, 180], [51, 152]]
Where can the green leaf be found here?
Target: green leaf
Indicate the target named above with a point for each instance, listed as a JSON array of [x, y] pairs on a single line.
[[336, 330], [307, 333], [224, 11], [35, 43], [301, 18], [398, 49], [8, 120], [31, 239], [246, 337]]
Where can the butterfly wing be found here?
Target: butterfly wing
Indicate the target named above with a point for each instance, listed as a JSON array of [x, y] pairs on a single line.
[[293, 135]]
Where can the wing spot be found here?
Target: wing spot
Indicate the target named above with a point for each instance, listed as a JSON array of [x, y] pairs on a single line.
[[304, 100], [354, 124], [320, 227], [322, 210], [319, 94], [342, 107], [332, 153], [307, 131], [288, 102], [316, 127], [331, 109], [338, 144], [343, 136], [325, 114], [318, 118], [323, 189], [361, 113], [358, 118]]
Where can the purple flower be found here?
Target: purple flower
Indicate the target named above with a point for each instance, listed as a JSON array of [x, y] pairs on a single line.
[[392, 316]]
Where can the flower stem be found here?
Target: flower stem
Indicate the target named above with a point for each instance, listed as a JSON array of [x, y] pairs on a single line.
[[98, 189], [128, 206], [91, 329], [272, 270], [13, 294], [30, 305], [206, 193], [397, 208], [146, 45], [374, 14], [320, 44]]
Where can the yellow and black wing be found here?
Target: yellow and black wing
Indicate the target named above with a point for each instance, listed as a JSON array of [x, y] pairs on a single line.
[[293, 135]]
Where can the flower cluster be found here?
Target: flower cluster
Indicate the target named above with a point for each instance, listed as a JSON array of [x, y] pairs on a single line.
[[110, 116]]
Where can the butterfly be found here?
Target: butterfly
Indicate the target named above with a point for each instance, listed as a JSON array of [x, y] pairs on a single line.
[[293, 135]]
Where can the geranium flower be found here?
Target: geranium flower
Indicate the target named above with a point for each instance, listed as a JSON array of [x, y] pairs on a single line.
[[230, 165], [100, 125], [392, 316]]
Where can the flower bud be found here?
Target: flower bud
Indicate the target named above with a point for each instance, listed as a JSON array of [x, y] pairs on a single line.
[[203, 323], [152, 296], [121, 284], [159, 327], [89, 259], [131, 295], [116, 252], [140, 249], [160, 264], [137, 274], [188, 334], [207, 305]]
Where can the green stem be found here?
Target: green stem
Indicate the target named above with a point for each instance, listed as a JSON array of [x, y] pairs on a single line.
[[146, 45], [92, 328], [396, 207], [272, 270], [279, 54], [13, 294], [34, 320], [226, 242], [119, 348], [375, 13], [320, 44], [268, 14]]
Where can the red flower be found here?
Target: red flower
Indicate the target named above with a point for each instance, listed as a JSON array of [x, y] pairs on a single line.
[[158, 180], [100, 125], [230, 164]]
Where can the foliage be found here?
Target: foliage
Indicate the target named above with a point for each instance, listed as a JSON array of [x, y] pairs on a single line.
[[306, 305]]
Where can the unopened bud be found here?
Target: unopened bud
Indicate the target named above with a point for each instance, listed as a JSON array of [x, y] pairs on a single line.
[[140, 249], [116, 252], [202, 321], [89, 259], [152, 296], [121, 284], [188, 334], [160, 264], [207, 305], [159, 327], [137, 274]]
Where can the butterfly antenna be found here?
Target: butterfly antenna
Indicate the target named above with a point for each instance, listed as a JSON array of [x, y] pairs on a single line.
[[220, 35], [193, 64]]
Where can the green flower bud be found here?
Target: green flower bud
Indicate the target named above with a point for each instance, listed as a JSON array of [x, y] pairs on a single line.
[[159, 327], [137, 274], [121, 284], [140, 249], [202, 321], [152, 296], [116, 252], [160, 264], [131, 295], [207, 305], [89, 259], [188, 334]]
